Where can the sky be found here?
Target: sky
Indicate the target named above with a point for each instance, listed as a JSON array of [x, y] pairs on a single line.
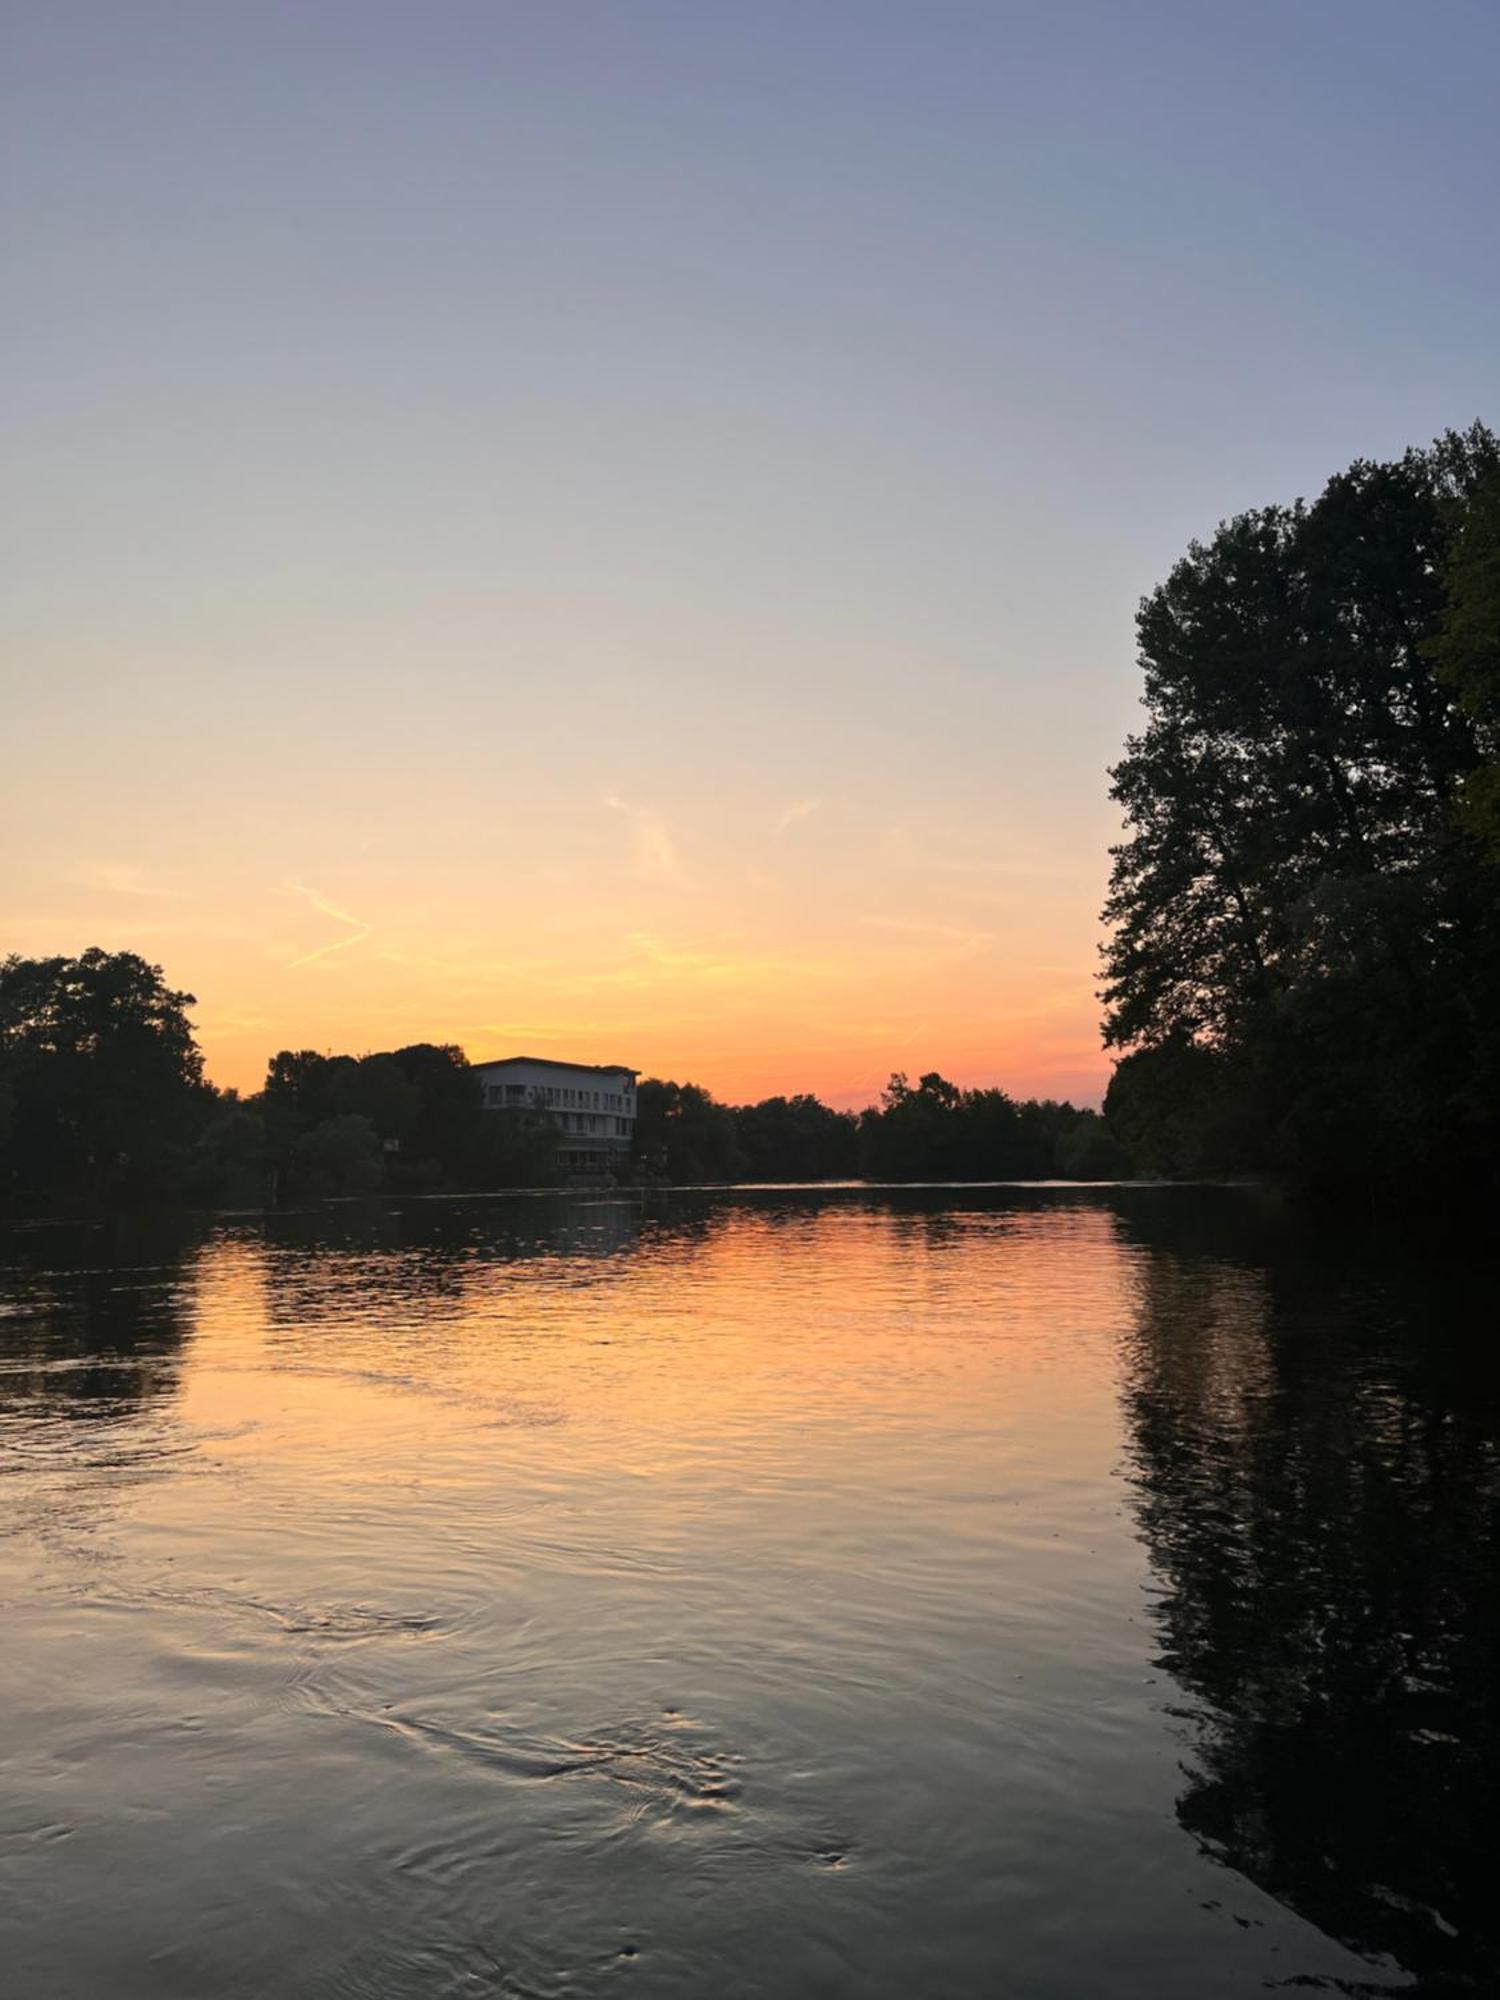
[[611, 529]]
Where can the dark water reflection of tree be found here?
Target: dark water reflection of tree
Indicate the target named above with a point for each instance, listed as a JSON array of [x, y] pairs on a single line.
[[1317, 1454], [96, 1315]]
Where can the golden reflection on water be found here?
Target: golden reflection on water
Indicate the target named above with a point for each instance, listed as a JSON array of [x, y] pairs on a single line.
[[823, 1328], [526, 1597]]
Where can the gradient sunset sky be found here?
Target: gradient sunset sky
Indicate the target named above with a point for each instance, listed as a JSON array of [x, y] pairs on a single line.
[[612, 530]]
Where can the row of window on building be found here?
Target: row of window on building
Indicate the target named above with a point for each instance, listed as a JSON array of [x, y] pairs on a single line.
[[585, 1121], [561, 1100]]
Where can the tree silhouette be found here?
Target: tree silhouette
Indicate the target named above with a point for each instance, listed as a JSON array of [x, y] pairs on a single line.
[[1301, 926], [102, 1079]]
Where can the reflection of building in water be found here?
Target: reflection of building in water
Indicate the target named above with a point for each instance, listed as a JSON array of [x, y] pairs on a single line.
[[592, 1105], [1321, 1500], [424, 1268]]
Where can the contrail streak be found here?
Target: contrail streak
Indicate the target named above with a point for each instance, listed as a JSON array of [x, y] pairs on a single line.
[[361, 929]]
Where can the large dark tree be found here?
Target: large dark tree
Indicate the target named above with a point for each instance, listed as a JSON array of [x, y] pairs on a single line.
[[1298, 900], [450, 1116], [101, 1079], [1466, 651]]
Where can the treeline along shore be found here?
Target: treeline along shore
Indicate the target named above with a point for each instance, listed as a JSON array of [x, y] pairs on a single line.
[[103, 1099], [1301, 980]]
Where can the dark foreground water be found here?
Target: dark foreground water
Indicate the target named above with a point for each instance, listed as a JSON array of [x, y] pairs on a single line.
[[1065, 1594]]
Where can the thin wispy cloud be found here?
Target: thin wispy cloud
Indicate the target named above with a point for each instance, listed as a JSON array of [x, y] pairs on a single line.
[[803, 809], [945, 856], [654, 850], [359, 929], [117, 878], [234, 1024], [531, 1031], [935, 933]]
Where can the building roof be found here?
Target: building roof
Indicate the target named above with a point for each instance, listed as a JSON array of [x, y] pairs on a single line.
[[551, 1062]]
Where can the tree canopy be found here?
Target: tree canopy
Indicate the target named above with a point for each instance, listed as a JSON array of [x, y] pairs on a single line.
[[101, 1081], [1466, 649], [930, 1130], [1302, 968]]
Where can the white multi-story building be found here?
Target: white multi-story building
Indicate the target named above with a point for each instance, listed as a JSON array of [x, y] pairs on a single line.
[[592, 1105]]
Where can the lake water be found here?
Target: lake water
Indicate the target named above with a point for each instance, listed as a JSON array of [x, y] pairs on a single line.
[[1052, 1594]]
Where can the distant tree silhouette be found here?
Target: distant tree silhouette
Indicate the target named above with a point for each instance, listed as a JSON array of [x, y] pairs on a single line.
[[917, 1133], [230, 1160], [796, 1138], [935, 1131], [338, 1156], [932, 1130], [682, 1134], [101, 1081]]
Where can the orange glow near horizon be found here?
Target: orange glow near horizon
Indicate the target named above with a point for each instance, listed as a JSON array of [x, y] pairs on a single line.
[[615, 532], [784, 946]]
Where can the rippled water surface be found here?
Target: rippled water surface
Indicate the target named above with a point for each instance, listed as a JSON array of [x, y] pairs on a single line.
[[1060, 1594]]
